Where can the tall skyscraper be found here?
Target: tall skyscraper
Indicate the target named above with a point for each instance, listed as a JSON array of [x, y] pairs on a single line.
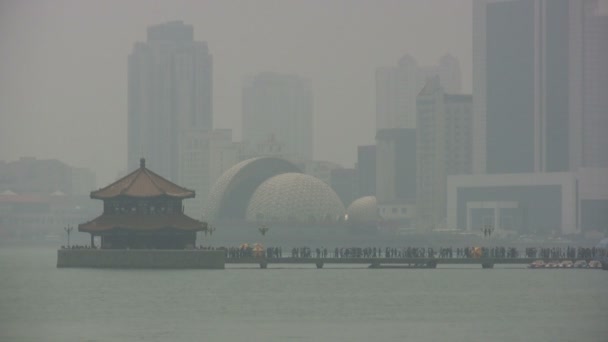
[[279, 107], [398, 86], [396, 174], [540, 79], [527, 81], [170, 89], [366, 170], [594, 126], [443, 147], [344, 183]]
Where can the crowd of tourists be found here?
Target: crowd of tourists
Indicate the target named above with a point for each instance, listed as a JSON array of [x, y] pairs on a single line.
[[566, 253], [78, 247], [498, 252], [246, 251]]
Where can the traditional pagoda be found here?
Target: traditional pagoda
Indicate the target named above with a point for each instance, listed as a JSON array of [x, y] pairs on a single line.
[[143, 211]]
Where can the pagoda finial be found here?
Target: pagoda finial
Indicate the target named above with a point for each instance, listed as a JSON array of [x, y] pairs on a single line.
[[142, 162]]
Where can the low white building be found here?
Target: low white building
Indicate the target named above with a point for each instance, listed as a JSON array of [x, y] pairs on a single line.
[[530, 203]]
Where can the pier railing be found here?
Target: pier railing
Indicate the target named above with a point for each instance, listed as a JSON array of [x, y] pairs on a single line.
[[379, 262]]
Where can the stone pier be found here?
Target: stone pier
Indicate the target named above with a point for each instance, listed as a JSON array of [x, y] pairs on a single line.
[[140, 258]]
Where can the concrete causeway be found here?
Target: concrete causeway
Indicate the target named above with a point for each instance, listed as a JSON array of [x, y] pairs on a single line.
[[381, 262]]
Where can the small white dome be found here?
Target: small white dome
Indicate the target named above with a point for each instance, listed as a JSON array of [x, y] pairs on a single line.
[[363, 210]]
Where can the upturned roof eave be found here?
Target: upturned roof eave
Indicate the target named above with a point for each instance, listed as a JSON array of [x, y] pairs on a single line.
[[87, 227], [182, 196], [88, 230]]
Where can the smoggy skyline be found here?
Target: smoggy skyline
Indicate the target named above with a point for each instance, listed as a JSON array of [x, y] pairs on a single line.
[[63, 90]]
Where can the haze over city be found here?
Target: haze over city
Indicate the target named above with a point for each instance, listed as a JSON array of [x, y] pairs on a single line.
[[63, 91], [410, 170]]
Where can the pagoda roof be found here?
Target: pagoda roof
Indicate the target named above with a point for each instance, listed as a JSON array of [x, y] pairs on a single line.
[[136, 222], [142, 183]]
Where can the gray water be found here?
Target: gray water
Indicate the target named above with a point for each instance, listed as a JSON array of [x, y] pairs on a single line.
[[39, 302]]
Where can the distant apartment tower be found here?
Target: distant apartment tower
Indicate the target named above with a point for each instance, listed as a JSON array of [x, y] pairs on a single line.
[[397, 87], [344, 183], [266, 148], [279, 107], [396, 175], [594, 126], [443, 147], [170, 89], [540, 79], [319, 169], [366, 170], [203, 157], [533, 104]]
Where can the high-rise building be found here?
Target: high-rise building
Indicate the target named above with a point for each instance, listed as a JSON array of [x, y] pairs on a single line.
[[319, 169], [539, 80], [203, 156], [443, 147], [265, 148], [396, 175], [527, 84], [279, 107], [594, 126], [170, 90], [397, 87], [366, 170], [344, 183]]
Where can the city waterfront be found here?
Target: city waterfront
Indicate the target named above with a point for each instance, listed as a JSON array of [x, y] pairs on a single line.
[[405, 257], [297, 302], [304, 170]]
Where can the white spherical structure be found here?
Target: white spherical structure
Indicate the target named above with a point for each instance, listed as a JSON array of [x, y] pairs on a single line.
[[230, 193], [363, 210], [294, 197]]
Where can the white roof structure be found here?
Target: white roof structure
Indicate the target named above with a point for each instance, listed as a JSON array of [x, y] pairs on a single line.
[[294, 197], [229, 195], [363, 210]]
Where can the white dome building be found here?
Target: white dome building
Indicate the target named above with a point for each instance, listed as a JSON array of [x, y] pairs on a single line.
[[363, 210], [296, 198], [230, 194]]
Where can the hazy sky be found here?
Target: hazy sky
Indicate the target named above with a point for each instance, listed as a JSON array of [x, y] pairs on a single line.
[[63, 65]]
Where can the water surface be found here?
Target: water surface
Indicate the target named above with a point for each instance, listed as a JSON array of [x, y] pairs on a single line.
[[39, 302]]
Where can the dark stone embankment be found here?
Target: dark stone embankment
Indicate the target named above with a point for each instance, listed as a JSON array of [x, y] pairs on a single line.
[[167, 259]]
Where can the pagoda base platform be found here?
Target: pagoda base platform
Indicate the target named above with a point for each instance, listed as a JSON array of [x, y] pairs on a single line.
[[140, 258]]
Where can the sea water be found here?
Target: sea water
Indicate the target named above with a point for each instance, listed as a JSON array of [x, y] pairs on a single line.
[[39, 302]]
